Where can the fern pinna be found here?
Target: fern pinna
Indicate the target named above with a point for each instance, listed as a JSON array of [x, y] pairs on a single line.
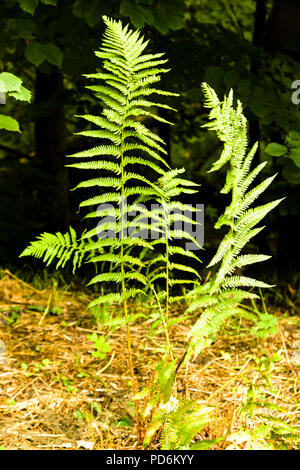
[[221, 296]]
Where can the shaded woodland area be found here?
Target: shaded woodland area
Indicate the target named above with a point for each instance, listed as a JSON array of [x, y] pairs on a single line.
[[151, 344], [252, 47]]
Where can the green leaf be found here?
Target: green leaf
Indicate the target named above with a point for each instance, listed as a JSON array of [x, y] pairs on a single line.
[[124, 422], [138, 14], [276, 150], [35, 53], [295, 156], [26, 28], [290, 171], [29, 5], [92, 13], [53, 54], [163, 14], [8, 123], [9, 82], [23, 94]]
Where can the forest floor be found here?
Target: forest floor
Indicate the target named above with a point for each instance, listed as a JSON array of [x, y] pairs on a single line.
[[54, 394]]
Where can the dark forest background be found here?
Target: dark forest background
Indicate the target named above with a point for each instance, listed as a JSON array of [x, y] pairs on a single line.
[[252, 46]]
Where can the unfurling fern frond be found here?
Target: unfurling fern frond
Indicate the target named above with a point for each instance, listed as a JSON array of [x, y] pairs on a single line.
[[221, 293]]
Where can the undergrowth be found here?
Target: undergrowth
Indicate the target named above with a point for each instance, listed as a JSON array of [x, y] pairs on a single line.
[[136, 192]]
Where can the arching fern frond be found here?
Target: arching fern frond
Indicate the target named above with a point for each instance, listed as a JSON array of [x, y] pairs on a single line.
[[125, 147], [61, 247], [221, 296]]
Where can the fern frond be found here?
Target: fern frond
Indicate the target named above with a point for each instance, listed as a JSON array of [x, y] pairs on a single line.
[[61, 246], [221, 296]]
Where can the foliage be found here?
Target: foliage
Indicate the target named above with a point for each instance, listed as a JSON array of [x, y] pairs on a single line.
[[11, 86], [163, 14], [14, 316], [117, 243], [62, 246], [100, 344], [220, 297], [67, 383], [128, 77], [272, 432], [171, 220], [175, 420]]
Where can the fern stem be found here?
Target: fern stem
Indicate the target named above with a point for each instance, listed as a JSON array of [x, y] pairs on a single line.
[[167, 264], [168, 343], [129, 340]]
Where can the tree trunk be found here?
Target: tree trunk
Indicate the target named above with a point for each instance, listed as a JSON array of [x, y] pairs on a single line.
[[257, 40], [50, 140]]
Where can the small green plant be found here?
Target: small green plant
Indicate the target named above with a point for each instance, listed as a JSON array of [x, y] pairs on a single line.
[[101, 314], [68, 384], [37, 367], [272, 432], [55, 310], [87, 416], [41, 366], [10, 402], [14, 316], [179, 422], [265, 324], [100, 345], [169, 418]]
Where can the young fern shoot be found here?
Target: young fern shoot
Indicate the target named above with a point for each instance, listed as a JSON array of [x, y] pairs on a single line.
[[221, 296]]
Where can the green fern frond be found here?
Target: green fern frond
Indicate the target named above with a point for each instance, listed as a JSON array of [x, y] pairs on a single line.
[[60, 246], [220, 297]]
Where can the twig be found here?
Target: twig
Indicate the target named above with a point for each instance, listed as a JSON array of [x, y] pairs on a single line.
[[286, 353], [23, 282]]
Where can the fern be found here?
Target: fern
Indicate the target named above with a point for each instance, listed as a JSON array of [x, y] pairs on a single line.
[[221, 296], [126, 92], [63, 247], [128, 261], [125, 148], [175, 421]]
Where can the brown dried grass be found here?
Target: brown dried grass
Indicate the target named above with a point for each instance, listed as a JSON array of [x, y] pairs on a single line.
[[38, 412]]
